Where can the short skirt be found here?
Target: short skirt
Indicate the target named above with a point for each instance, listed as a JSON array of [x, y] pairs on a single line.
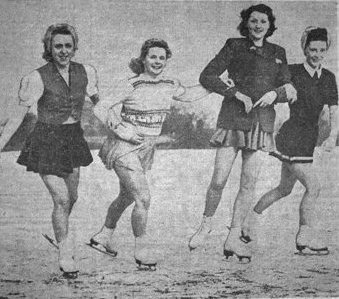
[[55, 149], [296, 141], [254, 139], [137, 157]]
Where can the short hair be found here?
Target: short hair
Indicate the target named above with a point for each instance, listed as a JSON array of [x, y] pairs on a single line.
[[246, 13], [53, 30], [137, 64]]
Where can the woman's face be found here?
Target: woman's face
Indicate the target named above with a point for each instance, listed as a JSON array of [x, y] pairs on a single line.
[[155, 61], [257, 25], [62, 49], [315, 53]]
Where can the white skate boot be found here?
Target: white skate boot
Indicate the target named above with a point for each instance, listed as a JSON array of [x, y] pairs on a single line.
[[234, 246], [145, 255], [199, 237], [67, 263], [103, 242], [310, 242]]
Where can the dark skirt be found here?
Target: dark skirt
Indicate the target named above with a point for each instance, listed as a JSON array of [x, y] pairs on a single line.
[[296, 141], [55, 149], [254, 139]]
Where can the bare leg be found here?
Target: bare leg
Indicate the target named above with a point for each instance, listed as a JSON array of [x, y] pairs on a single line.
[[136, 186], [306, 174], [249, 173], [62, 205], [287, 182], [224, 160], [117, 207], [64, 194]]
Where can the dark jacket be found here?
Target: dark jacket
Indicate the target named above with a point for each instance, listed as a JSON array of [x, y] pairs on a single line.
[[59, 100], [255, 71]]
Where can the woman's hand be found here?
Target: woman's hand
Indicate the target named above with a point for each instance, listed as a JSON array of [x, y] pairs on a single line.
[[127, 132], [329, 144], [246, 100], [291, 93], [266, 100]]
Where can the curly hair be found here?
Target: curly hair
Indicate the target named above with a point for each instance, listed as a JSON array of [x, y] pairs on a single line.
[[53, 30], [246, 13], [137, 64]]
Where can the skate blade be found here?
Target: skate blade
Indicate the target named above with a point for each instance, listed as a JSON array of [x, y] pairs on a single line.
[[312, 252], [50, 241], [69, 275], [242, 259], [104, 251], [146, 267]]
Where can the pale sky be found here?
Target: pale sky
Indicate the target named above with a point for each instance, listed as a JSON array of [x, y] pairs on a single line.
[[112, 32]]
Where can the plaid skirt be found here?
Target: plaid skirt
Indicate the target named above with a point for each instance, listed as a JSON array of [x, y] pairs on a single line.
[[254, 139], [55, 149]]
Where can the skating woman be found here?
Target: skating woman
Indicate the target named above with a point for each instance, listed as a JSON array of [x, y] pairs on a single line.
[[316, 87], [246, 120], [145, 99], [56, 148]]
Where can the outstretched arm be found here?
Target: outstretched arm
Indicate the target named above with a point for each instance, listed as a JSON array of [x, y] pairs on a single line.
[[190, 93]]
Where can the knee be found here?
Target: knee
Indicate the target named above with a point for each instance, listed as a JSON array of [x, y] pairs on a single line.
[[61, 200], [313, 189], [284, 190], [217, 186], [247, 185], [143, 201]]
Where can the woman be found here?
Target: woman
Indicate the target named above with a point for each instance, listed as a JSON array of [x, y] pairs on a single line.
[[145, 99], [246, 120], [56, 148], [296, 140]]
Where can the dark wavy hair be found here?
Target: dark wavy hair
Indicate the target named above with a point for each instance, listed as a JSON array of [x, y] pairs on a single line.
[[53, 30], [137, 64], [246, 13]]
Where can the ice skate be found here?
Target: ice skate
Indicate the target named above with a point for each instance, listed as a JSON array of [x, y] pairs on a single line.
[[67, 263], [309, 242], [199, 237], [234, 246], [145, 255], [103, 242]]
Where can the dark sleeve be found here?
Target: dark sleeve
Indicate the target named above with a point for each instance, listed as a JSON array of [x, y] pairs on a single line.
[[332, 89], [283, 77], [209, 78]]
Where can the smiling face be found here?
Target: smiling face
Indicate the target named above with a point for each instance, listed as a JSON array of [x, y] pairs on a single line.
[[62, 49], [155, 61], [258, 25], [315, 53]]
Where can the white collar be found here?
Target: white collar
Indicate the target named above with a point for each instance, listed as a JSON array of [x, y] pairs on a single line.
[[311, 70]]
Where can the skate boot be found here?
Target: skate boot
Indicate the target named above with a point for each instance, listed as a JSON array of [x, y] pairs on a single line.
[[309, 242], [103, 242], [67, 263], [199, 237], [145, 255], [249, 226], [234, 246]]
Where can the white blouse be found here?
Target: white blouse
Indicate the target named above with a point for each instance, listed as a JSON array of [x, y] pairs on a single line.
[[32, 88]]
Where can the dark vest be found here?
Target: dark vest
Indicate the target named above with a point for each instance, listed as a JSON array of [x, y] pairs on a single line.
[[59, 101]]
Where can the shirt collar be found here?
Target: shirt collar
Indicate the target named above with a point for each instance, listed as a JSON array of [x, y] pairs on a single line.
[[311, 70]]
